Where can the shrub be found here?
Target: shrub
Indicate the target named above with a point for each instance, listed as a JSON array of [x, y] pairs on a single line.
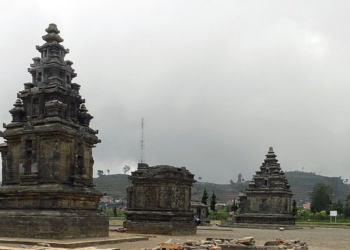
[[218, 215]]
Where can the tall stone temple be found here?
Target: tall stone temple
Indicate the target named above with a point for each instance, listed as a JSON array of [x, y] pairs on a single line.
[[267, 200], [159, 201], [47, 163]]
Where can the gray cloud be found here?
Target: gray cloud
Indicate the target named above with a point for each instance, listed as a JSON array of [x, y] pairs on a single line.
[[217, 82]]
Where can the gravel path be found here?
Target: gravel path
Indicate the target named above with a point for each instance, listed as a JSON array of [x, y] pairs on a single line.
[[317, 239]]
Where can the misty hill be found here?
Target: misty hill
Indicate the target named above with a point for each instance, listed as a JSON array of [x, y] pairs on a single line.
[[302, 184]]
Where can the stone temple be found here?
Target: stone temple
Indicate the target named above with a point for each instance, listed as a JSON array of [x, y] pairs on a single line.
[[159, 201], [47, 163], [267, 200]]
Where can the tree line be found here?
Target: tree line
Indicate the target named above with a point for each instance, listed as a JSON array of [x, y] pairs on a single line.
[[321, 200]]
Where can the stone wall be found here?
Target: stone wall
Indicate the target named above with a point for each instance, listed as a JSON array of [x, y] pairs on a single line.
[[52, 224], [161, 227], [269, 203]]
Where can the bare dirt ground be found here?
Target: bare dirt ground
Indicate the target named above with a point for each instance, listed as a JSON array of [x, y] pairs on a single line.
[[317, 239]]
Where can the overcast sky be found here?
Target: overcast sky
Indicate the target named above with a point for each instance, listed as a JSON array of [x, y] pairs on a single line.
[[217, 82]]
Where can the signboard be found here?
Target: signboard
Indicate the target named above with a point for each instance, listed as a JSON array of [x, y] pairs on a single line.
[[333, 213]]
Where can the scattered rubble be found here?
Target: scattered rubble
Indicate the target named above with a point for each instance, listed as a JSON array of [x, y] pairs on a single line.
[[43, 244], [118, 229], [230, 244]]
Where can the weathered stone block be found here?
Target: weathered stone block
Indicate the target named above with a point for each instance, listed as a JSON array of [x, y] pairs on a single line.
[[159, 201], [52, 224]]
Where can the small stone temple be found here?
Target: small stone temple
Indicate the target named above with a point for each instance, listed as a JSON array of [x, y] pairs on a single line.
[[159, 201], [200, 209], [267, 199], [47, 163]]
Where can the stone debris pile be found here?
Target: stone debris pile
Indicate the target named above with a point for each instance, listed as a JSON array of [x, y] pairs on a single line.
[[230, 244], [288, 244], [47, 246]]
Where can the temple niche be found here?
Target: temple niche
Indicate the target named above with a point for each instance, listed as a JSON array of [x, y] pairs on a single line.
[[267, 200], [47, 163], [159, 201]]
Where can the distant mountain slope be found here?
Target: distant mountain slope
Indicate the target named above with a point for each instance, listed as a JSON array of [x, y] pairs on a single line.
[[113, 185], [302, 184], [223, 192]]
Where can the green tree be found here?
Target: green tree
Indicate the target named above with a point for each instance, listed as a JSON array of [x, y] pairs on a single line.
[[99, 173], [205, 197], [126, 169], [294, 208], [347, 206], [234, 205], [212, 201], [321, 198], [339, 207]]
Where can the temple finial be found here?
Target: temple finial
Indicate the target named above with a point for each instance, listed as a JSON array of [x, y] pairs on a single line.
[[52, 34], [270, 155]]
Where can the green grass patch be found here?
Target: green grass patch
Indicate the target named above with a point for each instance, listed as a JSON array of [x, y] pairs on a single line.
[[323, 225], [116, 222]]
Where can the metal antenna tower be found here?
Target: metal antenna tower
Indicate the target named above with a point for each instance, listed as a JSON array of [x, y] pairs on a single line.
[[142, 143]]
